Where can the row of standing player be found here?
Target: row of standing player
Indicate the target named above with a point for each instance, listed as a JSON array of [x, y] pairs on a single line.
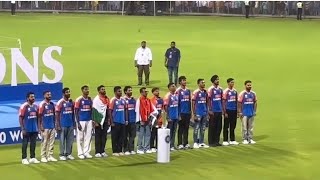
[[180, 106]]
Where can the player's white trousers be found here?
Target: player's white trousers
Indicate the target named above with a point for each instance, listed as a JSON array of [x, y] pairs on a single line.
[[84, 137]]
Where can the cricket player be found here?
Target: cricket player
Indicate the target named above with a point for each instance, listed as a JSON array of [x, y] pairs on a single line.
[[65, 124], [118, 121], [247, 108], [230, 97], [200, 110], [171, 107], [184, 95], [157, 101], [47, 127], [215, 93], [28, 119], [131, 128], [83, 113]]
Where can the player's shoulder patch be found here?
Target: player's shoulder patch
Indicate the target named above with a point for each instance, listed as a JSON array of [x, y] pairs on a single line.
[[79, 98]]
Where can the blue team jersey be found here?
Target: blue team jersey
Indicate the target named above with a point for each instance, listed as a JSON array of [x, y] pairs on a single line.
[[247, 99], [184, 100], [215, 94], [66, 109], [118, 107], [46, 110], [200, 98], [29, 113], [85, 108], [131, 107], [172, 103], [230, 96]]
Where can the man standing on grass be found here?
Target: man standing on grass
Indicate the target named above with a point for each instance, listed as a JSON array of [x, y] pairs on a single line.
[[145, 111], [28, 119], [171, 62], [83, 112], [65, 124], [118, 121], [247, 108], [299, 6], [215, 93], [230, 113], [131, 117], [171, 107], [47, 127], [200, 111], [101, 120], [157, 101], [143, 61], [184, 95]]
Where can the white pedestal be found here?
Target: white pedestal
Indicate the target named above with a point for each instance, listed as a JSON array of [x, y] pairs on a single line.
[[163, 155]]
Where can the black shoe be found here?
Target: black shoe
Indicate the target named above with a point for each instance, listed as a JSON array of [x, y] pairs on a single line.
[[139, 84], [213, 145], [218, 144]]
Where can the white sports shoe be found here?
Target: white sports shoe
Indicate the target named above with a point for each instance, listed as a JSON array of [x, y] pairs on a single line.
[[187, 146], [115, 154], [104, 154], [252, 141], [127, 153], [44, 160], [133, 152], [88, 156], [70, 157], [225, 143], [195, 146], [203, 145], [180, 147], [34, 161], [98, 155], [62, 158], [140, 152], [245, 142], [52, 159], [234, 143], [121, 154], [81, 157], [25, 161], [172, 149], [148, 151], [154, 150]]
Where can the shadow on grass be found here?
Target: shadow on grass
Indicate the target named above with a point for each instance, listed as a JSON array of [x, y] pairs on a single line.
[[173, 158], [261, 137]]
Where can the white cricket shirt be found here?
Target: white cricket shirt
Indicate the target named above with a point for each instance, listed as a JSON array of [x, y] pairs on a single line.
[[143, 56]]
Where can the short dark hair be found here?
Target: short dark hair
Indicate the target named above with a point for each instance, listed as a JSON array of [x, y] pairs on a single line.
[[199, 80], [116, 88], [173, 42], [64, 90], [229, 80], [29, 93], [99, 87], [141, 89], [154, 89], [126, 88], [247, 81], [83, 87], [181, 78], [45, 92], [143, 42], [214, 77], [170, 84]]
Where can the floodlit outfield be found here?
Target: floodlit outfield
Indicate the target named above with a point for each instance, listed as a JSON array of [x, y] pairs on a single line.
[[280, 56]]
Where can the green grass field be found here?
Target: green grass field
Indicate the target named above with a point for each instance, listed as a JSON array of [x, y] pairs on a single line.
[[280, 56]]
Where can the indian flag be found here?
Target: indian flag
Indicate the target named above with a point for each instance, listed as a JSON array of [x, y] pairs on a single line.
[[98, 110]]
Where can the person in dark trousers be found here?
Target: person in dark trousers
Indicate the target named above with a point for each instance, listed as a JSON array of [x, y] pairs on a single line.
[[230, 97], [157, 102], [131, 128], [299, 6], [171, 62], [28, 119], [101, 120], [247, 7], [215, 111], [13, 8], [184, 95], [117, 115], [143, 62]]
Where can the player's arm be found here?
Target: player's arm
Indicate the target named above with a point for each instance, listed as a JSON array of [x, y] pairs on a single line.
[[255, 105], [166, 59], [209, 104], [136, 58], [21, 120], [150, 57], [40, 117], [224, 103], [126, 112], [179, 56], [110, 110], [76, 113], [57, 117], [193, 104], [240, 99]]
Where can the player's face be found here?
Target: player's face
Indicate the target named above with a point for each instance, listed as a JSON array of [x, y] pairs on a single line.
[[156, 93], [231, 84], [202, 84], [143, 45], [102, 91], [67, 94], [31, 98], [85, 91], [144, 93], [129, 92], [184, 82], [216, 82], [173, 45], [48, 96], [172, 88], [248, 86], [119, 93]]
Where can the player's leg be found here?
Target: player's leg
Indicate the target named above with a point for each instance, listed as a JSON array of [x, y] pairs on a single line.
[[140, 71], [233, 124], [250, 130], [87, 139], [211, 130], [196, 129], [176, 72], [203, 123], [80, 139], [147, 74], [44, 145], [218, 127], [186, 131], [181, 129], [63, 142], [147, 137], [122, 134], [114, 138], [170, 72], [25, 141], [174, 129], [132, 136], [226, 127], [244, 129], [33, 141], [98, 139], [69, 137], [104, 134], [52, 136]]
